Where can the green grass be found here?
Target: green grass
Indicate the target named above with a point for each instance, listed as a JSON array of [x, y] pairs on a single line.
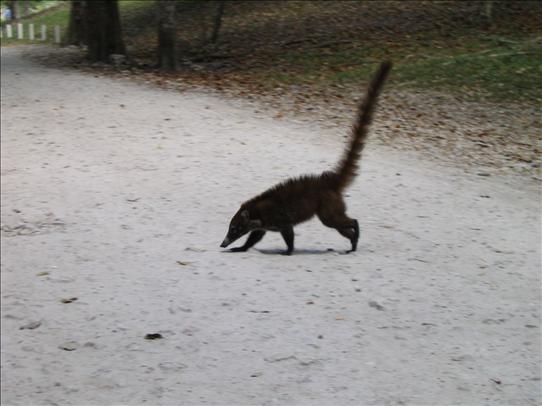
[[497, 69], [469, 63], [500, 73], [60, 15], [56, 16], [127, 6]]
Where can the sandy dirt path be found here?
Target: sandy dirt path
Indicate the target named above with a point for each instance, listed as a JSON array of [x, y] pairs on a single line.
[[106, 185]]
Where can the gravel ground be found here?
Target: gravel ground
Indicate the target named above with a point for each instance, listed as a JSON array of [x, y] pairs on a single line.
[[115, 197], [498, 138]]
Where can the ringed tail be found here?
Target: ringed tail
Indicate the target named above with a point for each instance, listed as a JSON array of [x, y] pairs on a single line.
[[348, 166]]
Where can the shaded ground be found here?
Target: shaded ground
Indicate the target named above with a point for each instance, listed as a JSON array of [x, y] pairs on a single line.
[[118, 195], [436, 45]]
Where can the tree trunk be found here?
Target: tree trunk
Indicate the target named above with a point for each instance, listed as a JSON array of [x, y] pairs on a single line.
[[218, 21], [26, 8], [488, 13], [114, 33], [77, 26], [104, 36], [15, 9], [167, 58]]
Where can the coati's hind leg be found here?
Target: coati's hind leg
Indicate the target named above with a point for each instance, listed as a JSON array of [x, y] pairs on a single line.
[[332, 214], [253, 238], [351, 232], [346, 226]]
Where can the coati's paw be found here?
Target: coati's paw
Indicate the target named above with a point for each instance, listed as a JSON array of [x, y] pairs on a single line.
[[286, 253]]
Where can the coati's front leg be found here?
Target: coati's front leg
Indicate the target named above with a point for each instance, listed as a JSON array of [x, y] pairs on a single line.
[[288, 235], [254, 237]]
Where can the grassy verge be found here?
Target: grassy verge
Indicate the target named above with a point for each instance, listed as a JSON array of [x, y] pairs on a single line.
[[499, 65], [497, 72], [58, 15], [497, 69]]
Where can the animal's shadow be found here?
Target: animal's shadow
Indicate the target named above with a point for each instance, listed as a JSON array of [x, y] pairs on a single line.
[[306, 251]]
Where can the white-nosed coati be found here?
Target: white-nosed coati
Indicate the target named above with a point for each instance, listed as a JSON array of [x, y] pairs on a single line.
[[297, 200]]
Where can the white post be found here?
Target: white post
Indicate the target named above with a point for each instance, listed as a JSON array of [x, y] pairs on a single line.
[[9, 32], [57, 34], [43, 32], [31, 32], [20, 31]]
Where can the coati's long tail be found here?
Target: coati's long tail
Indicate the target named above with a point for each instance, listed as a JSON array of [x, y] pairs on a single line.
[[348, 166]]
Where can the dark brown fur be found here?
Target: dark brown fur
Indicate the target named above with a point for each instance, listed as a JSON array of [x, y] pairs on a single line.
[[299, 199]]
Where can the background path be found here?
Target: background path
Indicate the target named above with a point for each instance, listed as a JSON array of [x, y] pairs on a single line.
[[119, 195]]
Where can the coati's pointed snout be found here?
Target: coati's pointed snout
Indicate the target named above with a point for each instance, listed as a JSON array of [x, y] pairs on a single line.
[[227, 241], [231, 237], [239, 226]]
